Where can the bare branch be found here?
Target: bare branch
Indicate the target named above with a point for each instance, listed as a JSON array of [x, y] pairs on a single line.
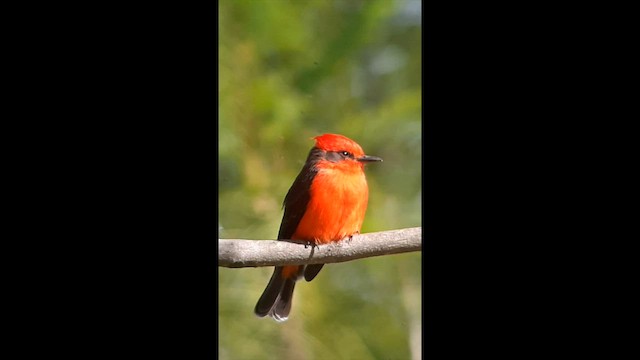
[[236, 253]]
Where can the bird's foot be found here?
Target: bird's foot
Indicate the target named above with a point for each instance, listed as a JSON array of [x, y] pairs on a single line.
[[310, 243]]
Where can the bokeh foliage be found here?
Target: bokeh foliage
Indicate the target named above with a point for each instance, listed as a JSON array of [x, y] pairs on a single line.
[[288, 71]]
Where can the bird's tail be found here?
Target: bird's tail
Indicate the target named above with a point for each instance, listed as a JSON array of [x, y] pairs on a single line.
[[277, 296]]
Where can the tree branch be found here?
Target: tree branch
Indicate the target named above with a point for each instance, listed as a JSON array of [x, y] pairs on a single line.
[[236, 253]]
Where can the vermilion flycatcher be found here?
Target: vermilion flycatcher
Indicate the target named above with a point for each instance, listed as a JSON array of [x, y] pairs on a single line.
[[326, 203]]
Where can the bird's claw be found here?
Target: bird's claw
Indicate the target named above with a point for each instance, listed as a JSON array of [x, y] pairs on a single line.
[[310, 243]]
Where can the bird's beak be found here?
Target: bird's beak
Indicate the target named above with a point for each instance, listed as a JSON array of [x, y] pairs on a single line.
[[368, 158]]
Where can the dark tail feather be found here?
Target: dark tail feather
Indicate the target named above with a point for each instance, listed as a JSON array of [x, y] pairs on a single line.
[[282, 307], [311, 271], [271, 293]]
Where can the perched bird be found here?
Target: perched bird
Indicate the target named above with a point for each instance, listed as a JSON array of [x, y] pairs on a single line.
[[325, 204]]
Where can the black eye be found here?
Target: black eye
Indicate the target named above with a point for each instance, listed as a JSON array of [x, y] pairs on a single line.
[[345, 153]]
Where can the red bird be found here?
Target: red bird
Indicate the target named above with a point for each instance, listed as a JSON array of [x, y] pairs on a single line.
[[326, 203]]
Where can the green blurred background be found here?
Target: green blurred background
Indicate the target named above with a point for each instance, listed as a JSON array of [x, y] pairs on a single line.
[[288, 71]]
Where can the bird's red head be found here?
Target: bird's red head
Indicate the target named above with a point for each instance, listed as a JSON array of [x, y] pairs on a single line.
[[334, 142], [342, 144]]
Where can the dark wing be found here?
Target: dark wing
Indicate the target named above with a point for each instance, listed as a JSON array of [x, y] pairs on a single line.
[[295, 203]]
